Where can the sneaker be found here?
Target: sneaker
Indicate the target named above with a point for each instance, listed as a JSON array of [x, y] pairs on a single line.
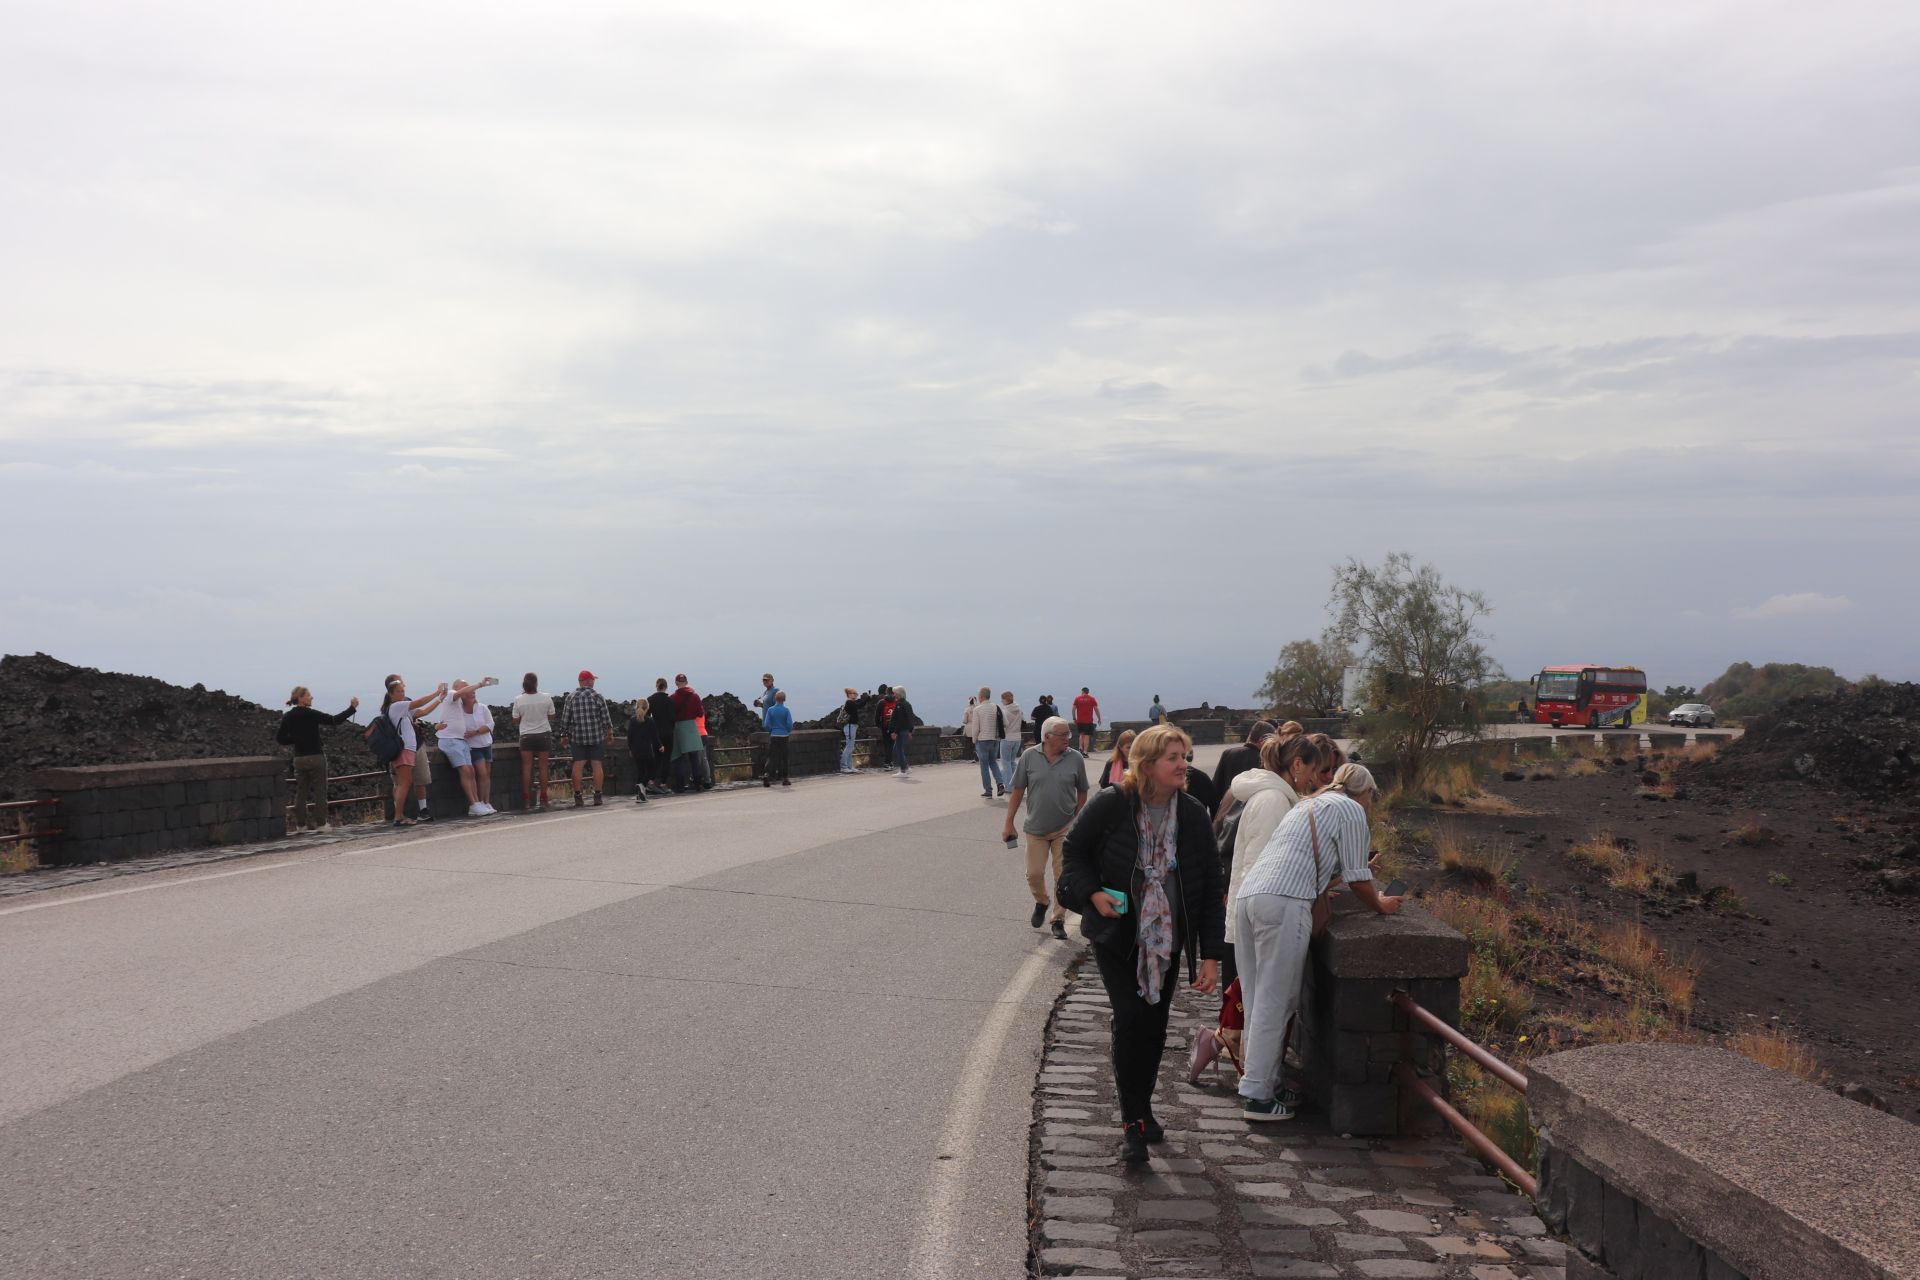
[[1262, 1110], [986, 795], [596, 799], [640, 797], [544, 806], [424, 815], [786, 782], [1039, 915], [766, 782], [1153, 1130], [578, 800], [1133, 1143], [1291, 1099], [1060, 930], [999, 791]]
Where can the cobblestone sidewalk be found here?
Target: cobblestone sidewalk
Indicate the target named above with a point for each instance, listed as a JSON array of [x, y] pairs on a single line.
[[1225, 1198]]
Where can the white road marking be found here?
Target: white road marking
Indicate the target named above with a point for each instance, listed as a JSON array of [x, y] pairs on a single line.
[[935, 1252]]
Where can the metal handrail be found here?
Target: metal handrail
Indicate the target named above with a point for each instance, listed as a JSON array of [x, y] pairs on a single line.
[[24, 808], [1500, 1160], [1409, 1076], [1407, 1005]]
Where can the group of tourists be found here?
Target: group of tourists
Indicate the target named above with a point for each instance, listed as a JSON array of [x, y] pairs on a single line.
[[1235, 873]]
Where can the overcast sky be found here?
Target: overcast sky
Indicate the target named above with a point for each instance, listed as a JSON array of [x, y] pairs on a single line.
[[1036, 345]]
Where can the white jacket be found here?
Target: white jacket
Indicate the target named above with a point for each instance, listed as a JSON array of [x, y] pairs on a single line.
[[1267, 798], [982, 728]]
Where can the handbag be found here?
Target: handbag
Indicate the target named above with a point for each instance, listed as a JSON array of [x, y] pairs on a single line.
[[1323, 904]]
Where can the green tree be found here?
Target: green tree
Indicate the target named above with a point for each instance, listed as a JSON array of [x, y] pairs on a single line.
[[1744, 690], [1422, 639], [1306, 681]]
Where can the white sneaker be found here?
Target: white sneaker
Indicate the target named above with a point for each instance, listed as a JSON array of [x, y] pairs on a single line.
[[476, 810], [490, 810]]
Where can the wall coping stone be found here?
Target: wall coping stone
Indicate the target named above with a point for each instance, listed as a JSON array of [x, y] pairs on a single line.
[[1359, 942], [148, 772], [1779, 1177]]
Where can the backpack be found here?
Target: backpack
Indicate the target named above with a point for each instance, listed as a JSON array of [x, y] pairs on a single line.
[[840, 717], [999, 720], [383, 739]]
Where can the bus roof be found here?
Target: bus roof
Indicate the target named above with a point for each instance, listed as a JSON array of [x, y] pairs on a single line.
[[1588, 666]]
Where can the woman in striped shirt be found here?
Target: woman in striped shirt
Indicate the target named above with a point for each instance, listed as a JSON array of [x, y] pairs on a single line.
[[1322, 838]]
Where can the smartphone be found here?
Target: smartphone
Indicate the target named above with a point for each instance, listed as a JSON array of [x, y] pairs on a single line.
[[1395, 889], [1119, 900], [1013, 842]]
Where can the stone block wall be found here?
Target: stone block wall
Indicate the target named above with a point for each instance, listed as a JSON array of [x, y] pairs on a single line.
[[1351, 1034], [1670, 1160], [108, 812]]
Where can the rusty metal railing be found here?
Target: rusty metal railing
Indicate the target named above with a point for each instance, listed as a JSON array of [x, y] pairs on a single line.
[[25, 812], [378, 796], [1408, 1077]]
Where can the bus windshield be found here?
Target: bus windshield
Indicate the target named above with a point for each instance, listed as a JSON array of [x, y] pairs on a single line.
[[1558, 686]]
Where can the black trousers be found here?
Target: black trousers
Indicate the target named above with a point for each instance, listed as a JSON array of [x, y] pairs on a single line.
[[1139, 1028], [777, 760]]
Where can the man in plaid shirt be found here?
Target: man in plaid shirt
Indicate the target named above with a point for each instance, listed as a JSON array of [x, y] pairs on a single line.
[[585, 721]]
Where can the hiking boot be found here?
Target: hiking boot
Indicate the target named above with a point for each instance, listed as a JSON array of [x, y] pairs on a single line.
[[596, 799], [1153, 1130], [1263, 1110], [578, 800], [1133, 1143]]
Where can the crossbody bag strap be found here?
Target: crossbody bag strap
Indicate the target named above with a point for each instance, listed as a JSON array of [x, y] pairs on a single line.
[[1313, 830]]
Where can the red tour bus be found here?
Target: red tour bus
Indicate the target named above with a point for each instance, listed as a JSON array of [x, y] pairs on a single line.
[[1589, 696]]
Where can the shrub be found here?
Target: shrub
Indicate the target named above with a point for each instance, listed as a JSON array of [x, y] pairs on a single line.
[[1752, 836], [1775, 1047], [1779, 880]]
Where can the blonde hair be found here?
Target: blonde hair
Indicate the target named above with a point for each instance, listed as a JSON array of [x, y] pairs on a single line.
[[1148, 746], [297, 691], [1352, 780], [1121, 742]]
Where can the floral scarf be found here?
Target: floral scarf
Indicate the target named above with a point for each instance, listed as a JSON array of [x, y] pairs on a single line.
[[1156, 912]]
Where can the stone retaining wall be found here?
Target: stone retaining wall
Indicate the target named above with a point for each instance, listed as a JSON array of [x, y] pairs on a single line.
[[1352, 1036], [1666, 1160], [115, 811]]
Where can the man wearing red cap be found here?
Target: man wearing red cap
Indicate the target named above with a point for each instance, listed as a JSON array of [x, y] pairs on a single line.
[[587, 724]]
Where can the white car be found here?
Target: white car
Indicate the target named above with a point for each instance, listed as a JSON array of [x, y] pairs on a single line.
[[1697, 714]]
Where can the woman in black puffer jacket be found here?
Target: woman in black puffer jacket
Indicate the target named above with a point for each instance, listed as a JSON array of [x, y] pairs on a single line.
[[1153, 842]]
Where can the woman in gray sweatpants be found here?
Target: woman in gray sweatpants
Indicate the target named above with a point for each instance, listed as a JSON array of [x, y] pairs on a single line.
[[1322, 838]]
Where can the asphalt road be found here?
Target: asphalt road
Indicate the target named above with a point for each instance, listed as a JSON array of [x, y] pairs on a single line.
[[761, 1033]]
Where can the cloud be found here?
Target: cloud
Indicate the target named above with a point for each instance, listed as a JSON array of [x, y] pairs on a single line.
[[1801, 604], [467, 453]]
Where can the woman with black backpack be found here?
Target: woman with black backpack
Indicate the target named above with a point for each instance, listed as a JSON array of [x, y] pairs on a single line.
[[1141, 869], [848, 718], [400, 713]]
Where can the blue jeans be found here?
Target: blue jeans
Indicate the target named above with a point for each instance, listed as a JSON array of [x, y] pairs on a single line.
[[989, 753], [846, 753], [1009, 756], [900, 741]]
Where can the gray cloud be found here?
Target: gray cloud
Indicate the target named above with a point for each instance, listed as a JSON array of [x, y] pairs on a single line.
[[664, 330]]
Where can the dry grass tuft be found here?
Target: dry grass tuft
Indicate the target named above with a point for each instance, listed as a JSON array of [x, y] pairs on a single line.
[[1495, 1109], [1752, 836], [1582, 767], [1624, 870], [17, 856], [1775, 1047], [1491, 998]]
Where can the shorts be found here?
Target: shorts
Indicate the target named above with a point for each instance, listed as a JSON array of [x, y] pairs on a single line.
[[422, 768], [538, 743], [405, 757], [458, 754], [594, 751], [481, 755], [1083, 728]]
